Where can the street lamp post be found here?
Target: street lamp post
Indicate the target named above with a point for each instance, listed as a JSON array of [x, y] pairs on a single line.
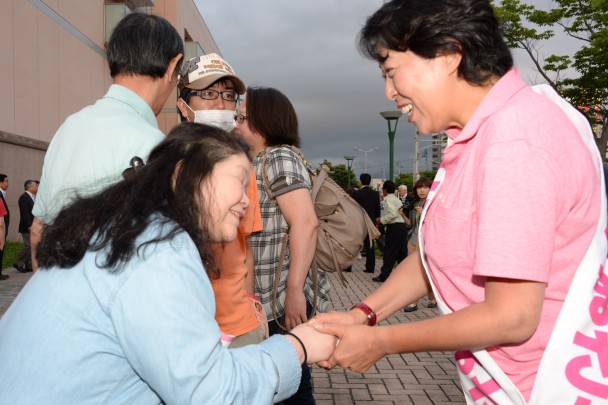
[[365, 152], [391, 118], [416, 150], [349, 165]]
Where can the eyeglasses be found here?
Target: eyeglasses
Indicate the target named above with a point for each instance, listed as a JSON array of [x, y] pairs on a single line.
[[240, 118], [227, 95]]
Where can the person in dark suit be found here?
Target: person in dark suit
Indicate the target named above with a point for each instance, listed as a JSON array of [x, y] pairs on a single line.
[[26, 204], [370, 201], [7, 217]]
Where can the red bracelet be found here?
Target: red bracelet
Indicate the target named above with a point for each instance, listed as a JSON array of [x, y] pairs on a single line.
[[371, 315]]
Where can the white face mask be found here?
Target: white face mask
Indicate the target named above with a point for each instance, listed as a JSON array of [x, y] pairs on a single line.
[[223, 119]]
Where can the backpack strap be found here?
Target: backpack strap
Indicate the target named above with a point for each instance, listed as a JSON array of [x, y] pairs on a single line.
[[265, 181], [267, 151], [277, 277]]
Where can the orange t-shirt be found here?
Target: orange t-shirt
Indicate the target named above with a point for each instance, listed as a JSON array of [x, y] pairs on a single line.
[[233, 310]]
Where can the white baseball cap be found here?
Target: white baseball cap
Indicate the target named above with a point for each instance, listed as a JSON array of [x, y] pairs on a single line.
[[202, 71]]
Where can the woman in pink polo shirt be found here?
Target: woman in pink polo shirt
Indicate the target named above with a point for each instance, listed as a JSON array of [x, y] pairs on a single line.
[[514, 213]]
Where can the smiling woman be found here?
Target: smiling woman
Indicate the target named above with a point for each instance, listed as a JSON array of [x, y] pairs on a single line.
[[513, 264], [123, 303], [225, 194]]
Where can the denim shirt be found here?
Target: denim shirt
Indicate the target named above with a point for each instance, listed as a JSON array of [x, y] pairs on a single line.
[[141, 336]]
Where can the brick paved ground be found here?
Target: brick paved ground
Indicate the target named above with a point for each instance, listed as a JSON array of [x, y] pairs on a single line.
[[10, 287], [422, 378]]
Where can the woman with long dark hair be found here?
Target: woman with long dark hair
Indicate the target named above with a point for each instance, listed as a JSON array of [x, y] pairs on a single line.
[[123, 309]]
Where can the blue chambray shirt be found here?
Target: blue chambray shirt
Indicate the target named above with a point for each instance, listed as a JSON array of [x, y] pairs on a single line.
[[142, 336]]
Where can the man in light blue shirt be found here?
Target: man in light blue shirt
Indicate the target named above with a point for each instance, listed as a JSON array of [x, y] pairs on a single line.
[[94, 146]]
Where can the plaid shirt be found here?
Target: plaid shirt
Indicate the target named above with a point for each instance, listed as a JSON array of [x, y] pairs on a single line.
[[285, 173]]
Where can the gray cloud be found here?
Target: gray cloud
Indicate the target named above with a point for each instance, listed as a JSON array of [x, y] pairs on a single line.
[[307, 49]]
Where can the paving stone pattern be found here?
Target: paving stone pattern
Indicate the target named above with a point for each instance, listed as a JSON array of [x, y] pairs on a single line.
[[421, 378]]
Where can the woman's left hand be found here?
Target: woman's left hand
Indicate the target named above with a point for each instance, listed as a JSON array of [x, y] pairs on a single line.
[[295, 308], [358, 346]]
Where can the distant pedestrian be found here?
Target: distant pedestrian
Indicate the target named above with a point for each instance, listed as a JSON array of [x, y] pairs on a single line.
[[94, 146], [370, 201], [395, 242], [422, 187], [5, 213], [406, 202], [26, 204], [2, 237]]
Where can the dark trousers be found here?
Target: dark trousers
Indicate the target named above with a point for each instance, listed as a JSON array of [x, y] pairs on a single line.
[[370, 256], [395, 249], [303, 395], [25, 257], [2, 250]]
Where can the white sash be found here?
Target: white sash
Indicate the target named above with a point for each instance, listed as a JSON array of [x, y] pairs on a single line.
[[574, 366]]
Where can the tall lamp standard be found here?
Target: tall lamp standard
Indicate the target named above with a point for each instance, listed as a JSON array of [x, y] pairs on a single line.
[[349, 165], [391, 118], [365, 152]]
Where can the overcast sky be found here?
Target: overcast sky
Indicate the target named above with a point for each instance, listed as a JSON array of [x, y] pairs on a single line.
[[307, 50]]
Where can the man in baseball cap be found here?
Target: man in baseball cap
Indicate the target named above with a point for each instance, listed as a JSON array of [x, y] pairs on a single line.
[[208, 94], [208, 91]]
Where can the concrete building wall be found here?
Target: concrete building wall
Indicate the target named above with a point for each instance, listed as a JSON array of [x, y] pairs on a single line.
[[54, 64]]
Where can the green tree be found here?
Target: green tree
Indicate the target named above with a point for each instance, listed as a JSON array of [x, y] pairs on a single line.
[[405, 178], [339, 174], [408, 178], [526, 27]]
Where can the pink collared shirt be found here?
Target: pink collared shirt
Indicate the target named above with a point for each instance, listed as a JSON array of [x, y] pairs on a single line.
[[520, 200]]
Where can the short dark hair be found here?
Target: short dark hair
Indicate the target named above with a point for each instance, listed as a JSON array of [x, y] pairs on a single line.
[[271, 114], [431, 28], [143, 44], [114, 218], [2, 177], [28, 184], [365, 179], [389, 186]]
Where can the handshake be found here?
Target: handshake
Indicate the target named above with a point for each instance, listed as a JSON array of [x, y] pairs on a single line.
[[337, 339]]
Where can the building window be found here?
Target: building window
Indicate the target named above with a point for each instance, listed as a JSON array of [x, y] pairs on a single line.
[[114, 12], [192, 48]]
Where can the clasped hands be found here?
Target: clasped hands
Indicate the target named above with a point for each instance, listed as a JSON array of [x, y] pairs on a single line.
[[338, 339]]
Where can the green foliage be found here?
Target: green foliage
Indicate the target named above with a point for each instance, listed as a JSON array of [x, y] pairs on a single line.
[[11, 253], [408, 178], [339, 174], [405, 178], [525, 27]]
